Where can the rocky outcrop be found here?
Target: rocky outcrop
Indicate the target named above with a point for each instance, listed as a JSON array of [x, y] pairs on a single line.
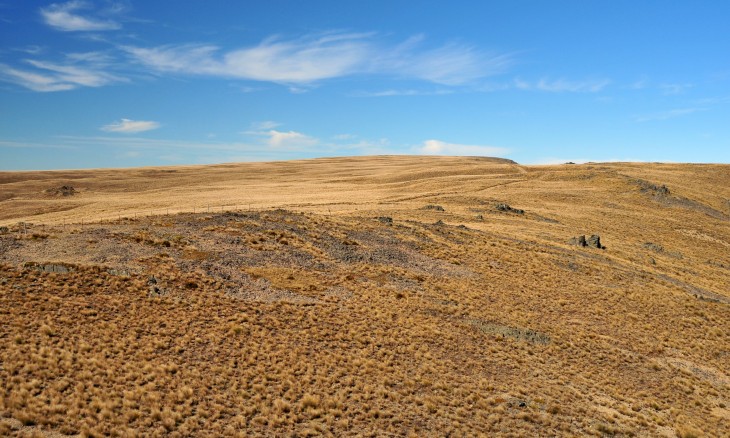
[[61, 191], [594, 241], [434, 207], [507, 209]]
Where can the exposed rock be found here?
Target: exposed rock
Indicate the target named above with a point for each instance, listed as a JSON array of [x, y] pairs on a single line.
[[61, 191], [579, 241], [60, 269], [658, 190], [155, 290], [50, 267], [118, 272], [507, 209], [386, 220], [518, 333], [594, 241], [654, 247], [434, 207], [4, 230], [479, 217]]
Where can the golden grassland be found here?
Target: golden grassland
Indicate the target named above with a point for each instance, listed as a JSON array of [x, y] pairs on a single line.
[[328, 299]]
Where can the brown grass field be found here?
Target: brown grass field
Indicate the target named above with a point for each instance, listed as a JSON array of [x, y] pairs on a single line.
[[369, 296]]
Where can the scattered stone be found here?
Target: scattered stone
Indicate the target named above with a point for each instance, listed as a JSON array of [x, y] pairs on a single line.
[[660, 250], [386, 220], [155, 291], [4, 230], [439, 222], [118, 272], [718, 264], [518, 333], [51, 268], [479, 217], [579, 241], [62, 191], [507, 209], [658, 190], [654, 247], [594, 241], [434, 207]]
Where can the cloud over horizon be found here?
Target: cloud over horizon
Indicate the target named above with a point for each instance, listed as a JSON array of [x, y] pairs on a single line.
[[438, 147]]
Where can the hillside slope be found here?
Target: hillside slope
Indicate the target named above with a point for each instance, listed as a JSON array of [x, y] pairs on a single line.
[[374, 296]]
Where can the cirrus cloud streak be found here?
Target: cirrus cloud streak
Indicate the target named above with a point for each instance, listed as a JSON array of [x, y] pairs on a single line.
[[64, 17], [127, 126], [314, 58]]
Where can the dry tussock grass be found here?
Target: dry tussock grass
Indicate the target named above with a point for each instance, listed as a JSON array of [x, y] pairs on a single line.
[[290, 324]]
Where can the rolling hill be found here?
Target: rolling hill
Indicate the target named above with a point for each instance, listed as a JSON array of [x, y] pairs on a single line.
[[376, 296]]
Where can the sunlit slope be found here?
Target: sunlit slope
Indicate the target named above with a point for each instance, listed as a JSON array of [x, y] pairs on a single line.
[[386, 296]]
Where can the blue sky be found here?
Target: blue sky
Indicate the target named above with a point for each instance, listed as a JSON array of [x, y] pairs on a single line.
[[134, 83]]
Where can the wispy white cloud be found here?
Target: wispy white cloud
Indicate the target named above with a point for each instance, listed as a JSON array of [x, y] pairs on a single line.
[[550, 161], [312, 58], [75, 74], [406, 92], [65, 17], [277, 139], [76, 70], [127, 126], [562, 85], [289, 139], [264, 125], [297, 61], [670, 114], [33, 145], [675, 88], [438, 147], [450, 64], [713, 100], [31, 49], [639, 84], [33, 80]]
